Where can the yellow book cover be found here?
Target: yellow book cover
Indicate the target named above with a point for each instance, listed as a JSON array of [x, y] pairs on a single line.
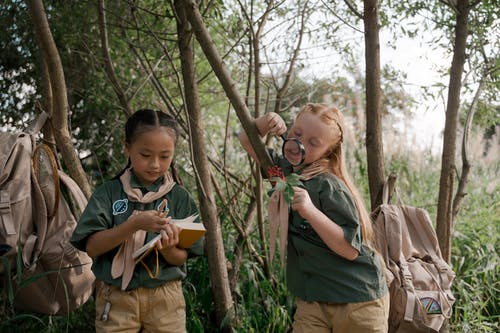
[[190, 231]]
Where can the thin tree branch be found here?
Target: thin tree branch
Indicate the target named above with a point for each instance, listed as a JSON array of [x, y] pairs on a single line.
[[281, 91], [108, 65], [466, 166], [352, 8], [227, 83]]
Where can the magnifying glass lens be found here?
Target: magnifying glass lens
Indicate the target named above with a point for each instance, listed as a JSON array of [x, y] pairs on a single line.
[[293, 151]]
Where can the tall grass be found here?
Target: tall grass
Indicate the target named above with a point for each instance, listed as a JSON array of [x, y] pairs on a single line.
[[475, 258]]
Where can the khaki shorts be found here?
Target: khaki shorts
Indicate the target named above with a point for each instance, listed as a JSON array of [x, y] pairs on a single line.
[[363, 317], [161, 309]]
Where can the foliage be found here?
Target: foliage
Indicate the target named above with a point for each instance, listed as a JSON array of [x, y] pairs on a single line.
[[17, 73], [476, 261], [285, 184], [143, 47]]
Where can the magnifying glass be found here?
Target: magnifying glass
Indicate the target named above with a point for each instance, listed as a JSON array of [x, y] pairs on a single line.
[[293, 150]]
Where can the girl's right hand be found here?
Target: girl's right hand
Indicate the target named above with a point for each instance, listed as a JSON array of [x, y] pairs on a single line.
[[151, 220], [302, 203], [275, 124]]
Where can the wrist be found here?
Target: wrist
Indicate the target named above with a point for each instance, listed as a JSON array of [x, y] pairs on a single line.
[[262, 125], [165, 250], [131, 224], [311, 214]]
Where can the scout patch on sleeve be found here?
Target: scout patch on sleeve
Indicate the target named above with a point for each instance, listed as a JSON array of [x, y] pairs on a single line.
[[120, 206]]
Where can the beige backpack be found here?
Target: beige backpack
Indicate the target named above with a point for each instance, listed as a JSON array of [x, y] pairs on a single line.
[[43, 271], [418, 277]]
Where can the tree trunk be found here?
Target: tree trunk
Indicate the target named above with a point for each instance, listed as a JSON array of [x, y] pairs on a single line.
[[444, 211], [59, 120], [215, 246], [374, 145], [47, 105], [229, 86]]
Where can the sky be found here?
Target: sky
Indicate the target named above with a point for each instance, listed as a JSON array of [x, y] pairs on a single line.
[[420, 63]]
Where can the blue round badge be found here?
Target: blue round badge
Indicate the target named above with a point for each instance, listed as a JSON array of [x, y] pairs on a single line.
[[120, 206]]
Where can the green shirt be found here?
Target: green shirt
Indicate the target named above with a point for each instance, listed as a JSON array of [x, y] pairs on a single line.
[[109, 206], [314, 271]]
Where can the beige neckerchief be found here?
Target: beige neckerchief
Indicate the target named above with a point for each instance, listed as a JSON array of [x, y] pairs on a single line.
[[123, 262], [277, 209]]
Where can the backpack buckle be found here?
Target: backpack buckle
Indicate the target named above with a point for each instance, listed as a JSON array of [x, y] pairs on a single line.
[[406, 272], [6, 213], [5, 200]]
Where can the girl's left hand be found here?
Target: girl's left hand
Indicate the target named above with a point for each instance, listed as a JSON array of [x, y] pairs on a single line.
[[170, 237], [301, 202]]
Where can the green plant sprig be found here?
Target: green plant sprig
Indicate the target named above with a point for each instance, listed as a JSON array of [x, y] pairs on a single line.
[[286, 184]]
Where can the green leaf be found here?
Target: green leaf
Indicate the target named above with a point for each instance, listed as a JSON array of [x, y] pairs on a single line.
[[280, 184], [276, 179], [293, 180], [289, 193], [286, 185]]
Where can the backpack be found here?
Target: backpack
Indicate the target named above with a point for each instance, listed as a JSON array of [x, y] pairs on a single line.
[[43, 272], [418, 277]]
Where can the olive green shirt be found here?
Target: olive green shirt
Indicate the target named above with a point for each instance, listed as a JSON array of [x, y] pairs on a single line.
[[109, 206], [314, 271]]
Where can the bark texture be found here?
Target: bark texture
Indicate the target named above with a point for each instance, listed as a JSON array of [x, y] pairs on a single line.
[[229, 86], [214, 242], [444, 211], [374, 145]]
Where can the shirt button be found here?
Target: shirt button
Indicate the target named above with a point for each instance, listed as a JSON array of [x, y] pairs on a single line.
[[303, 227]]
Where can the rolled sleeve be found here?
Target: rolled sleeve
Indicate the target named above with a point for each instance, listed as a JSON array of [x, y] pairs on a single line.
[[339, 206], [96, 217]]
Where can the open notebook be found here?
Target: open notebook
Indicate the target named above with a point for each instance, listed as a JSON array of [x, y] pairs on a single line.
[[189, 234]]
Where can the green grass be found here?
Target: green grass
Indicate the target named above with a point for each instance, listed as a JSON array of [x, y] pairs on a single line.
[[475, 258]]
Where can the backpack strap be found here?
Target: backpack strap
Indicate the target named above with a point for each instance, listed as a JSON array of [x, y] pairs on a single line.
[[5, 213], [37, 125], [74, 190], [407, 282], [386, 195], [393, 234], [34, 242], [446, 277]]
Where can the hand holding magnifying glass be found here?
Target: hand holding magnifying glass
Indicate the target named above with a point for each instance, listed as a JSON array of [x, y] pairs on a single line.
[[293, 150]]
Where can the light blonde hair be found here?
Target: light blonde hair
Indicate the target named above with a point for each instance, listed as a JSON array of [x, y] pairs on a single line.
[[335, 159]]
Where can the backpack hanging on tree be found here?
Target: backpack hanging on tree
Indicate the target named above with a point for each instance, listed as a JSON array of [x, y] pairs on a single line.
[[42, 271], [418, 277]]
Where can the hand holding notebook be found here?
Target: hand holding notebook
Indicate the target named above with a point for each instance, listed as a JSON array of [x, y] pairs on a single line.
[[189, 233]]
